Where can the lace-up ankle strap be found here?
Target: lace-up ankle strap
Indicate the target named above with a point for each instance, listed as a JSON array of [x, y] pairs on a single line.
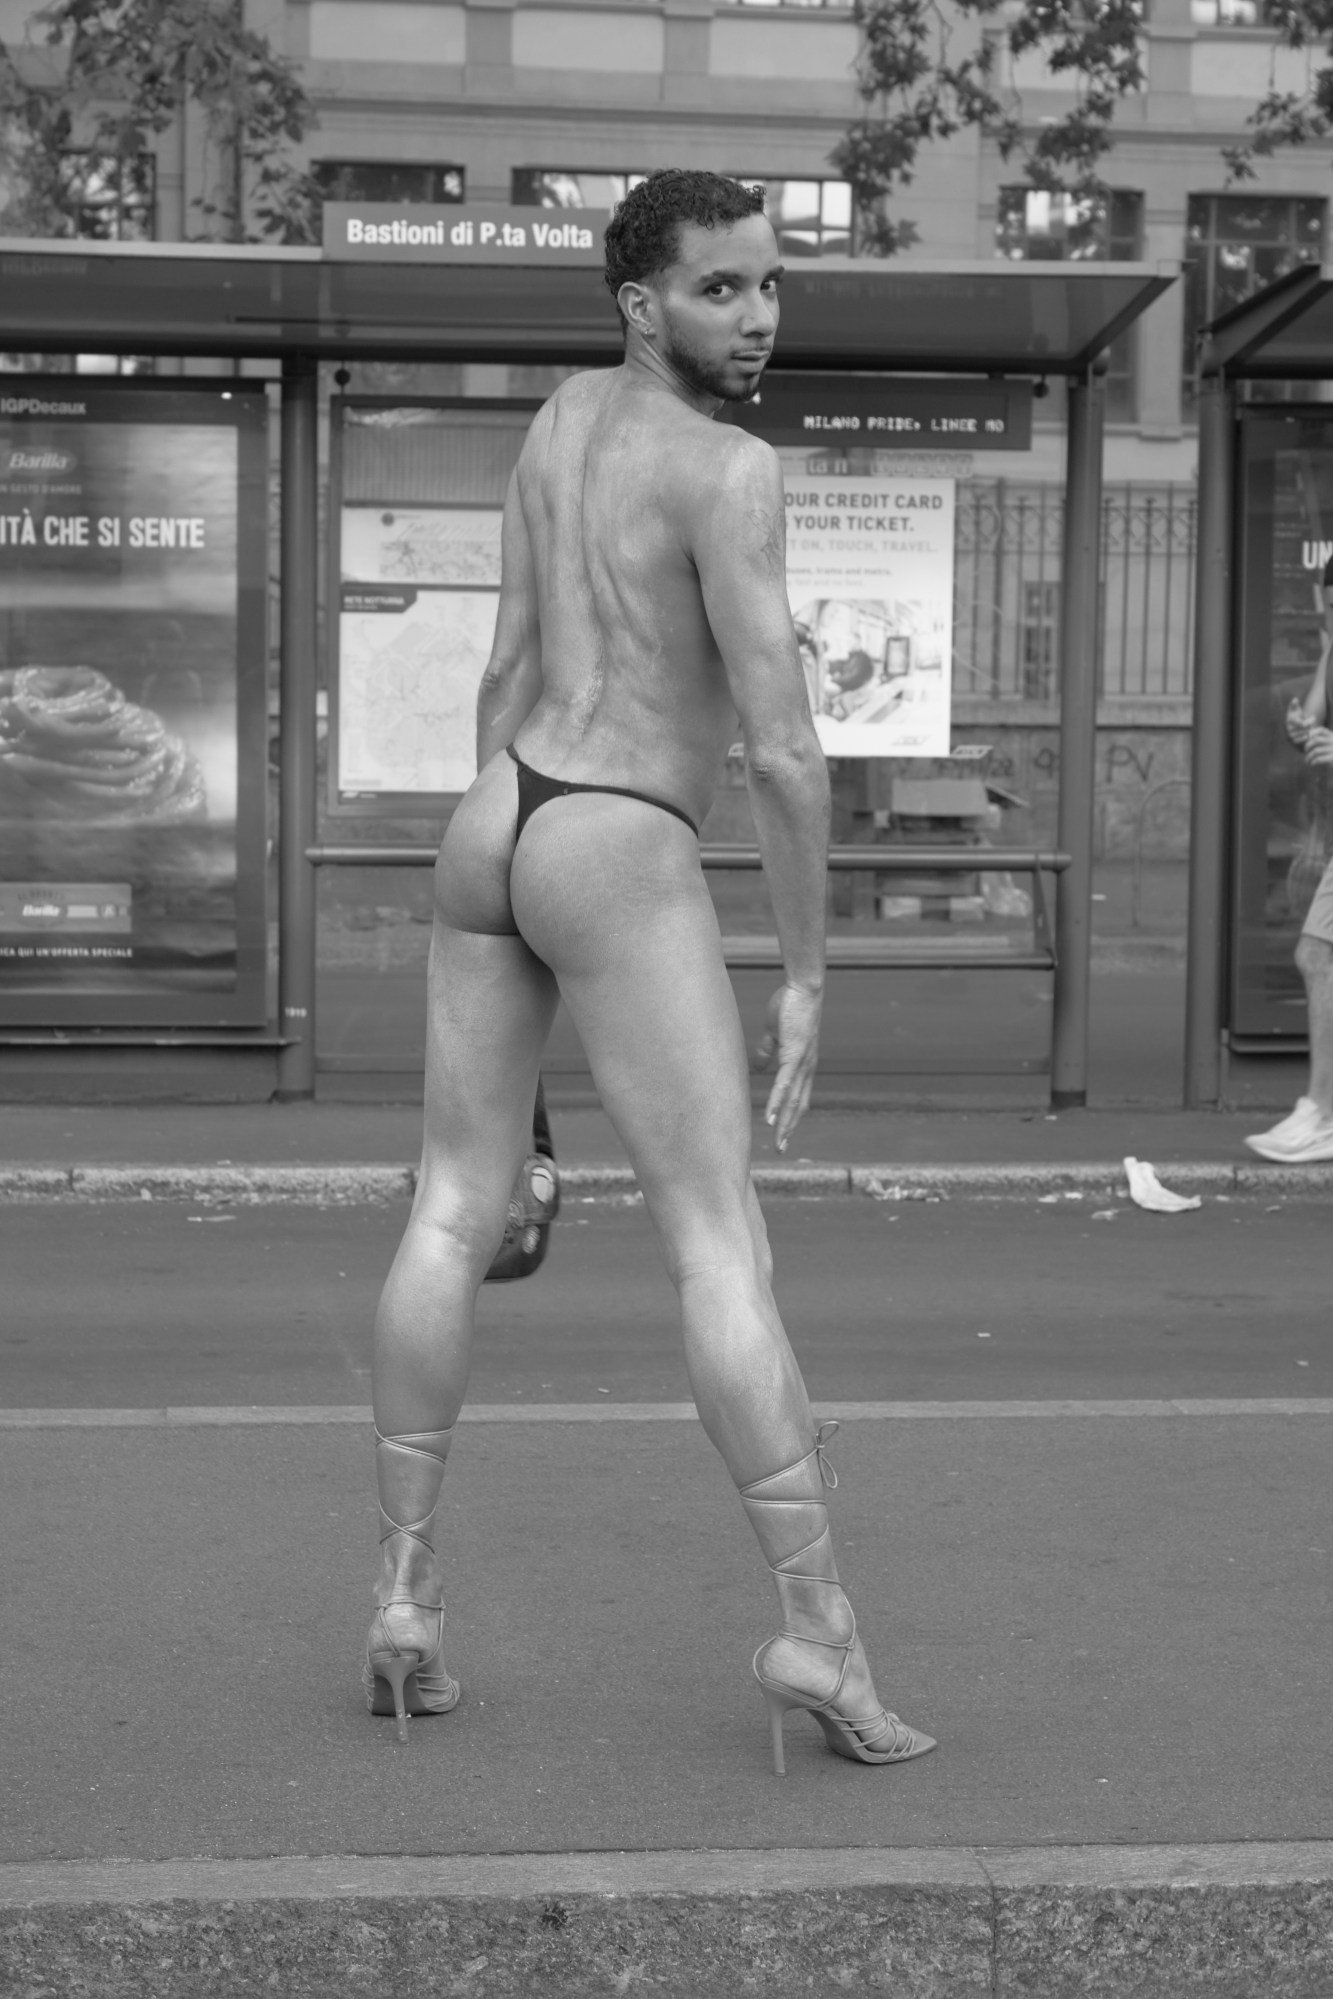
[[414, 1444], [843, 1645], [827, 1476]]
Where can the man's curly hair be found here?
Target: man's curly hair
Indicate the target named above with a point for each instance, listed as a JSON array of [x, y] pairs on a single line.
[[643, 236]]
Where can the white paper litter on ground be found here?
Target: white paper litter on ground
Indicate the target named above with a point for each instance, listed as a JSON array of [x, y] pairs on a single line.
[[1147, 1191]]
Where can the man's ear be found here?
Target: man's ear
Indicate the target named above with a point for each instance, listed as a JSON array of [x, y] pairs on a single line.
[[636, 302]]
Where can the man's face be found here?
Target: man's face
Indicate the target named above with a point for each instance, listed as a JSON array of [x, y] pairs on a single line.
[[718, 306]]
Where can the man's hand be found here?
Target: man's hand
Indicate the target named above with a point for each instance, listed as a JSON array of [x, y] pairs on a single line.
[[791, 1032], [1299, 724], [1318, 747]]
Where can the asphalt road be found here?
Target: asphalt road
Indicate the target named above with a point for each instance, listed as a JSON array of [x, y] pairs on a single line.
[[1117, 1626], [140, 1305], [1118, 1629]]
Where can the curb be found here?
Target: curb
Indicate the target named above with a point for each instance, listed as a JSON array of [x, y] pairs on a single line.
[[1205, 1922], [344, 1186]]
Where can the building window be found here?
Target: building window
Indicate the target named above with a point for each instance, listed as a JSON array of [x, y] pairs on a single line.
[[1226, 13], [811, 218], [1036, 225], [1235, 244], [108, 198], [404, 181], [565, 187]]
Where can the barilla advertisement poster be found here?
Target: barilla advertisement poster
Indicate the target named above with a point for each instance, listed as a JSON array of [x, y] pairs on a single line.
[[870, 579], [132, 558]]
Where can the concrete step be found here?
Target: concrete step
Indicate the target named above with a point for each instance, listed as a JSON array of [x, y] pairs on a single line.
[[1086, 1922]]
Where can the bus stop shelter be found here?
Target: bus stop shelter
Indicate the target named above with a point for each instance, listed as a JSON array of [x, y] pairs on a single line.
[[299, 308], [1284, 334]]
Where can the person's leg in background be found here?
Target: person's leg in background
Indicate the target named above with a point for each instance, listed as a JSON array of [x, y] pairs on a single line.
[[1306, 1134]]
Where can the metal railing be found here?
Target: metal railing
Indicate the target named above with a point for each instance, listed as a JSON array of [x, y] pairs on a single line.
[[847, 953], [1007, 543]]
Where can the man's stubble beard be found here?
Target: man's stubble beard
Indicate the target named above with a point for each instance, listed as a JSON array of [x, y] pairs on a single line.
[[699, 374]]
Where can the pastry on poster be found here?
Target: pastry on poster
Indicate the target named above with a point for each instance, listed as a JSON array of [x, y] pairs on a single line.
[[73, 746]]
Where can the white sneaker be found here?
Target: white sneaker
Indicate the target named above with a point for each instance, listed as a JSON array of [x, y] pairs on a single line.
[[1297, 1143], [1317, 1144], [1293, 1130]]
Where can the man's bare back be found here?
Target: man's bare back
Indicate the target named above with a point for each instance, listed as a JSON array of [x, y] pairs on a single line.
[[617, 485]]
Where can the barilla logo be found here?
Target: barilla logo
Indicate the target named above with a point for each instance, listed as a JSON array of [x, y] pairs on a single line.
[[35, 406], [42, 461]]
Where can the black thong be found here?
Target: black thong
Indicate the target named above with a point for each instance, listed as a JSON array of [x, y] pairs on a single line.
[[535, 789]]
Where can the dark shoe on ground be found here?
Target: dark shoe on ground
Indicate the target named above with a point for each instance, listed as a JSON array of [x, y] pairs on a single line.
[[532, 1208]]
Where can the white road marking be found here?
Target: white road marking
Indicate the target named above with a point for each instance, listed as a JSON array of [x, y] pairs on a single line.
[[277, 1414]]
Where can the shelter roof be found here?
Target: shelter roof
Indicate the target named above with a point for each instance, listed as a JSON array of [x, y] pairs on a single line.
[[1285, 332], [222, 299]]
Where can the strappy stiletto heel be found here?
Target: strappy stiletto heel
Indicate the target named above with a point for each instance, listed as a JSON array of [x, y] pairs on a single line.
[[404, 1674], [801, 1575]]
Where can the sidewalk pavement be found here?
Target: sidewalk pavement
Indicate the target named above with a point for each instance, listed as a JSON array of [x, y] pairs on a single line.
[[349, 1152]]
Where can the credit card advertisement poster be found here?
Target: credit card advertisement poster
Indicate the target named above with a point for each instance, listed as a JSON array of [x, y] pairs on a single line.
[[870, 579], [133, 556]]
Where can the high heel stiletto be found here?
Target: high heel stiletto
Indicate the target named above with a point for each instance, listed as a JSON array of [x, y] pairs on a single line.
[[404, 1674], [877, 1738]]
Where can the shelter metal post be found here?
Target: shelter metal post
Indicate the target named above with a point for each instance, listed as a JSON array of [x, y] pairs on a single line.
[[1209, 806], [1079, 612], [296, 762]]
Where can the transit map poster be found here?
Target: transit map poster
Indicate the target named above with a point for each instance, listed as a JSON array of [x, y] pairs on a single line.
[[133, 525], [1284, 817], [420, 587], [418, 499], [870, 579]]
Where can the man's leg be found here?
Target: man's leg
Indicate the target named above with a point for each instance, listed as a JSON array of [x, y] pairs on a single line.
[[612, 896], [490, 1009], [1314, 956], [1306, 1134]]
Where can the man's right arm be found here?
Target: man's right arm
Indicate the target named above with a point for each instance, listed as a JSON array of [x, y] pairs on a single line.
[[739, 549]]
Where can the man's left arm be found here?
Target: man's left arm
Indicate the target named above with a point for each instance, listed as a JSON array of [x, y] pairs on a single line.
[[512, 683]]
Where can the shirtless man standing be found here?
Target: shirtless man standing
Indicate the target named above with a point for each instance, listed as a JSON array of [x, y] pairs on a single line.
[[642, 608]]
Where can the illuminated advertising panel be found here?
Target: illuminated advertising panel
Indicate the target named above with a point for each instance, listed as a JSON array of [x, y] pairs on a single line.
[[133, 524], [1284, 817]]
